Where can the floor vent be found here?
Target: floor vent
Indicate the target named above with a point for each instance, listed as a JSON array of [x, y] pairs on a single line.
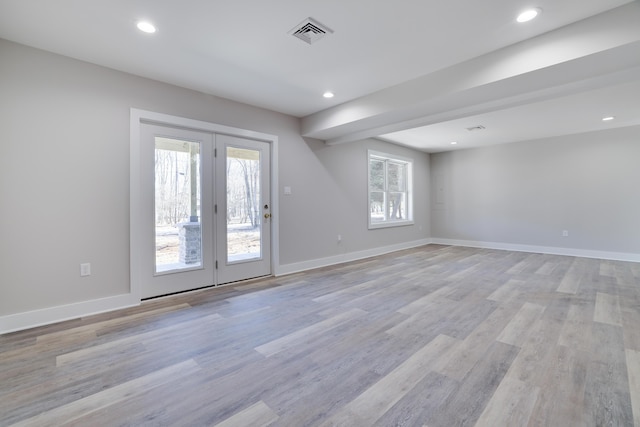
[[310, 31]]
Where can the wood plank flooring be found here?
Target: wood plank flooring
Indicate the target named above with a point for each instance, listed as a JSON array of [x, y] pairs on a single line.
[[432, 336]]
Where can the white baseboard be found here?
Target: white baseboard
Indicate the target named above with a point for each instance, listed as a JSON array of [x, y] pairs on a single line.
[[584, 253], [46, 316], [354, 256], [342, 258]]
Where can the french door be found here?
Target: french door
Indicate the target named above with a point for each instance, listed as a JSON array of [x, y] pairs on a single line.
[[244, 208], [207, 209]]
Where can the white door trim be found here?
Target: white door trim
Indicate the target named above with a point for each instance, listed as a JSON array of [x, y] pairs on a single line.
[[137, 237]]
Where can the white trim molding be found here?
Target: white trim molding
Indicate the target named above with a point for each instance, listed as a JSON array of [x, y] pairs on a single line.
[[61, 313], [550, 250], [354, 256], [348, 257], [46, 316]]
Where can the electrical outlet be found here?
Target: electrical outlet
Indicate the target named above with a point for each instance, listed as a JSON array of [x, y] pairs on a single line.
[[85, 269], [565, 233]]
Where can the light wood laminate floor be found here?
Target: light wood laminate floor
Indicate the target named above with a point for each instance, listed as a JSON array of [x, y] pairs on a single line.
[[432, 336]]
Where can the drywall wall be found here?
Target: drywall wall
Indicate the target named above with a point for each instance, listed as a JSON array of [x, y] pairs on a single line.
[[528, 193], [329, 188], [64, 179]]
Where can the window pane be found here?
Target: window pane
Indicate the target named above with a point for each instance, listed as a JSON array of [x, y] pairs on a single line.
[[397, 206], [376, 206], [177, 204], [396, 176], [389, 190], [376, 175]]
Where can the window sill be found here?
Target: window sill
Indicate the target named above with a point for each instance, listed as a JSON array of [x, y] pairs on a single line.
[[388, 224]]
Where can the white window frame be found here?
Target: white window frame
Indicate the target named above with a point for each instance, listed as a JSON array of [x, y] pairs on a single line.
[[387, 222]]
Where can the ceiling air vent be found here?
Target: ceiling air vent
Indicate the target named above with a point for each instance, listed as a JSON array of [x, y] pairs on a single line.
[[474, 128], [310, 31]]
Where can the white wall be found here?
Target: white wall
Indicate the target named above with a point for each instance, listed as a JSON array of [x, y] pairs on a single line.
[[329, 189], [64, 185], [64, 180], [528, 193]]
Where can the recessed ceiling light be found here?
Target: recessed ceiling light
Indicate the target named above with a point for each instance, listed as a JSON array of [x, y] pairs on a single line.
[[328, 94], [454, 142], [146, 27], [606, 119], [529, 14]]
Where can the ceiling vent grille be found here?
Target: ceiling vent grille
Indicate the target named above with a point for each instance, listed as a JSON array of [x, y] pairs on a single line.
[[475, 128], [310, 31]]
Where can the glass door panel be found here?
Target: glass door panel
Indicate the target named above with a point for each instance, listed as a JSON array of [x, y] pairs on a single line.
[[178, 231], [244, 219]]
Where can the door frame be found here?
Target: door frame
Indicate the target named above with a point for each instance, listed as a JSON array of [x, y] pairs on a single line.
[[138, 238]]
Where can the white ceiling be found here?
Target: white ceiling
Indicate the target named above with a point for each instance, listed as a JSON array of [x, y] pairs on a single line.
[[242, 50]]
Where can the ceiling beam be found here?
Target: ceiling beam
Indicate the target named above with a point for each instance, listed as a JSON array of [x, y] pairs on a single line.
[[591, 53]]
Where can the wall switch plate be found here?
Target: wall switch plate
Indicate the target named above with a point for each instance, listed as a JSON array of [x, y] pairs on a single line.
[[287, 191], [85, 269]]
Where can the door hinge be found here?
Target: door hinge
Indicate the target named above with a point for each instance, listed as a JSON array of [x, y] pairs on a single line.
[[216, 264], [215, 152], [215, 208]]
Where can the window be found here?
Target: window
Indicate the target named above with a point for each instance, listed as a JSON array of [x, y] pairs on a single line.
[[390, 198]]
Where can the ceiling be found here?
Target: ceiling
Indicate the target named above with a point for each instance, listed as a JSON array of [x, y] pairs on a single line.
[[416, 73], [566, 115]]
